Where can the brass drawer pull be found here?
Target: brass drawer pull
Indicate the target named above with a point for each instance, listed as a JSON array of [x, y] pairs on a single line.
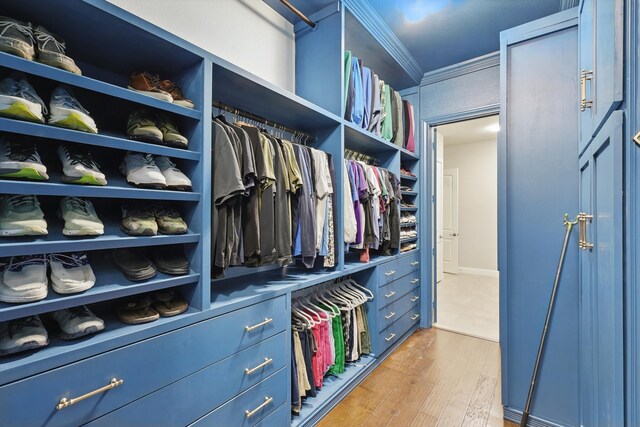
[[415, 316], [414, 281], [267, 361], [414, 299], [390, 315], [390, 337], [390, 294], [267, 320], [390, 273], [414, 263], [267, 400], [64, 402]]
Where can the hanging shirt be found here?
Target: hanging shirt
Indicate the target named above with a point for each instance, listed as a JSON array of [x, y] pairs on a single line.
[[348, 86], [387, 118], [282, 224], [374, 122], [350, 226], [267, 193], [358, 97], [305, 230], [367, 83]]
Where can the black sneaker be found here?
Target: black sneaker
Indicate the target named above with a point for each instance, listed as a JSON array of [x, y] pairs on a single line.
[[51, 50], [16, 38]]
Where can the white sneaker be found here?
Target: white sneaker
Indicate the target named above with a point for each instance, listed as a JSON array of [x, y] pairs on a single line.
[[174, 177], [77, 322], [80, 218], [141, 171], [71, 273], [20, 215], [22, 334], [23, 279], [21, 160], [19, 100], [67, 112], [79, 167]]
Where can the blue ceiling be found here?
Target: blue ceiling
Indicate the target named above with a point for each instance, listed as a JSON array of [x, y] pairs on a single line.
[[439, 33]]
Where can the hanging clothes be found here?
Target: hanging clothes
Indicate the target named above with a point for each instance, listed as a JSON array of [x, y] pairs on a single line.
[[348, 86], [367, 83], [409, 140], [387, 119]]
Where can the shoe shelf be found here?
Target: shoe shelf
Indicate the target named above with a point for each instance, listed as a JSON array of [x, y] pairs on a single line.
[[408, 209], [409, 240], [45, 71], [408, 155], [408, 178], [409, 193]]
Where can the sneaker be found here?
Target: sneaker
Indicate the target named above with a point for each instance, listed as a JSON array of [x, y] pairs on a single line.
[[21, 215], [176, 93], [80, 218], [141, 126], [169, 220], [77, 322], [170, 134], [149, 84], [141, 171], [171, 260], [23, 279], [23, 334], [16, 38], [174, 178], [67, 112], [51, 50], [21, 160], [19, 100], [79, 168], [139, 221], [71, 273], [133, 264]]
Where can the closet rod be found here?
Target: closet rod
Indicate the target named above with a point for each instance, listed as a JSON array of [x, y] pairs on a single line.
[[301, 15], [251, 116]]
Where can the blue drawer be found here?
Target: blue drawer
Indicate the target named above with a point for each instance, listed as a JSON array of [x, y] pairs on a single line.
[[278, 418], [252, 406], [144, 367], [394, 311], [393, 270], [202, 392], [394, 332], [398, 288]]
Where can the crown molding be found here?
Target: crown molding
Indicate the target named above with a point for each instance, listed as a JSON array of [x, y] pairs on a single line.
[[456, 70], [379, 29]]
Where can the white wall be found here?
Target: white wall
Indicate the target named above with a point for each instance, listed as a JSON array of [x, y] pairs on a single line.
[[247, 33], [478, 202]]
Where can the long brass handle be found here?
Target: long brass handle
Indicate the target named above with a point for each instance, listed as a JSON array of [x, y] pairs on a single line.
[[415, 316], [414, 263], [390, 337], [414, 299], [64, 402], [584, 102], [414, 281], [390, 273], [267, 361], [390, 315], [390, 294], [582, 229], [267, 320], [267, 400]]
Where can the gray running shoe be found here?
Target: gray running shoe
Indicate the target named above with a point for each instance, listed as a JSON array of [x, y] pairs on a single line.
[[16, 38], [19, 100], [71, 273], [77, 322], [22, 335], [80, 218], [21, 160], [79, 168], [51, 50], [68, 113], [20, 215], [23, 279]]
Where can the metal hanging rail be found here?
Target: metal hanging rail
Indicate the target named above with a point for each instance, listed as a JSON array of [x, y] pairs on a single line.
[[301, 15]]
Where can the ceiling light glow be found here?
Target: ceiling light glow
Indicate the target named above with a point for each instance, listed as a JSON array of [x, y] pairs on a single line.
[[416, 10]]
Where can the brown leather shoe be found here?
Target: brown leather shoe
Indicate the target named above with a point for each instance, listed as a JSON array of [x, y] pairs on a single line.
[[149, 84], [176, 93]]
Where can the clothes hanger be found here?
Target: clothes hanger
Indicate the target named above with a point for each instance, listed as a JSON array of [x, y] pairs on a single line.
[[331, 314], [311, 321], [342, 297], [357, 295], [361, 288], [306, 303]]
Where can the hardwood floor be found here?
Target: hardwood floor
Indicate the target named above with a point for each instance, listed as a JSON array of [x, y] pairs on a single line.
[[435, 378]]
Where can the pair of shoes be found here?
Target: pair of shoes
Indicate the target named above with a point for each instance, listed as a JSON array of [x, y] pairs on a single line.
[[35, 42], [140, 220], [166, 90], [19, 159], [406, 172], [144, 170], [80, 218], [21, 215], [158, 128], [138, 267], [19, 100], [77, 322], [148, 308], [24, 278], [27, 333], [79, 167]]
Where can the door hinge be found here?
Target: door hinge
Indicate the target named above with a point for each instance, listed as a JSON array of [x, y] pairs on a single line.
[[582, 229]]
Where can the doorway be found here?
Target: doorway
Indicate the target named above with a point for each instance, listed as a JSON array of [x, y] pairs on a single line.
[[466, 289]]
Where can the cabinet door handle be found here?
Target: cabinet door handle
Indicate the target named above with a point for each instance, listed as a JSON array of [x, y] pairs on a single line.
[[267, 400], [390, 315], [390, 273], [584, 102], [266, 321], [267, 361], [583, 218], [64, 402], [390, 337], [390, 294], [415, 316], [414, 299], [414, 281], [414, 263]]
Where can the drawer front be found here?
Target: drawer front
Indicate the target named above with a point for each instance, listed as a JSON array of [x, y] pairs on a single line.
[[394, 311], [202, 392], [278, 418], [252, 406], [394, 332], [396, 289], [408, 264], [144, 367]]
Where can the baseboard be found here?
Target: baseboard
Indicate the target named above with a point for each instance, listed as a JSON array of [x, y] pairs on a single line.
[[455, 331], [515, 416], [479, 272]]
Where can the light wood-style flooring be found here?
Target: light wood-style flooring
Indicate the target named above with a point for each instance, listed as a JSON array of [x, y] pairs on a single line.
[[435, 378]]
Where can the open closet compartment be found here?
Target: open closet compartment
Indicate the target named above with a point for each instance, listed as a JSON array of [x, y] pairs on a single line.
[[98, 39]]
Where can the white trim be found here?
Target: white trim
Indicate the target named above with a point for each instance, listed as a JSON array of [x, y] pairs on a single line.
[[479, 272], [456, 70], [457, 331]]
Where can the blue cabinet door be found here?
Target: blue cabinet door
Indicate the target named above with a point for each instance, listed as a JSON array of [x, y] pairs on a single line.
[[601, 309], [601, 60]]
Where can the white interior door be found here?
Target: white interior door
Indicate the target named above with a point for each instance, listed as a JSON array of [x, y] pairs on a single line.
[[439, 207], [450, 221]]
